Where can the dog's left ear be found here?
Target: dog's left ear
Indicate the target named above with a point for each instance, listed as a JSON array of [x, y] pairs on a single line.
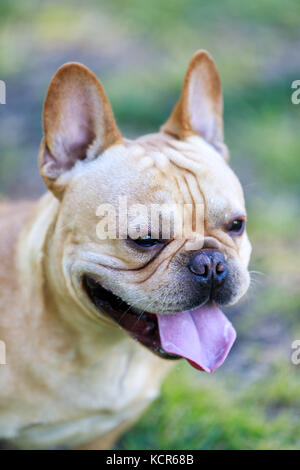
[[78, 123], [200, 107]]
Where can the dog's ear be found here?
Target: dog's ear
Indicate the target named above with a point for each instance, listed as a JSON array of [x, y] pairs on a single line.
[[200, 106], [78, 123]]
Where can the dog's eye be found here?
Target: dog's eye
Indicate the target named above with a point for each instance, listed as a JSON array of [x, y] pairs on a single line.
[[237, 226], [146, 242]]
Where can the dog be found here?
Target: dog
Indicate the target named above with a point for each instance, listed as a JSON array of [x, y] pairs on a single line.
[[92, 324]]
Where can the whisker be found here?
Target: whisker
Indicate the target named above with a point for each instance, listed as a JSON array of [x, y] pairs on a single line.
[[260, 273]]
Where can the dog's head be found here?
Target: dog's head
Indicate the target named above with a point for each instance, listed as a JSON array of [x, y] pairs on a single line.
[[151, 232]]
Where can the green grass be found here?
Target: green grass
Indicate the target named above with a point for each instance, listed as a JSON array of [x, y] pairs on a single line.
[[205, 413]]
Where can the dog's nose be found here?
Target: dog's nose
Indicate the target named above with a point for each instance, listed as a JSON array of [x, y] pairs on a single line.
[[209, 266]]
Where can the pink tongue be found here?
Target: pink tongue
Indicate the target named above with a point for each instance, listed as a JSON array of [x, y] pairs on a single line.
[[203, 336]]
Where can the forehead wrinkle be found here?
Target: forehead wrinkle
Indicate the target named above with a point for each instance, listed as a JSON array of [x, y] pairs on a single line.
[[173, 162], [187, 181], [169, 149], [194, 188], [191, 160], [183, 188], [187, 176], [197, 198], [181, 161], [193, 154]]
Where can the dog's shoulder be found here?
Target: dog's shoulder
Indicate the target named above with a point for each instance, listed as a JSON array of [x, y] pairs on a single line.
[[13, 216]]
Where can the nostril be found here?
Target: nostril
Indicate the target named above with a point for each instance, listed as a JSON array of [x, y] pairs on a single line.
[[202, 270], [221, 271], [200, 265], [220, 268]]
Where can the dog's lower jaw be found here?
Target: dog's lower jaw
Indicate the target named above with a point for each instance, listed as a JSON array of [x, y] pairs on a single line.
[[71, 381]]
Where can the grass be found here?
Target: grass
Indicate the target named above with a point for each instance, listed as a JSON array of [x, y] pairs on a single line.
[[200, 413]]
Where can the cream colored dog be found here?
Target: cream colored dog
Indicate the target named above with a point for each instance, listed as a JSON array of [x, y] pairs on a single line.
[[90, 324]]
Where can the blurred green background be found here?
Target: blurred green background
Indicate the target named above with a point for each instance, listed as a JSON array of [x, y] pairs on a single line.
[[140, 49]]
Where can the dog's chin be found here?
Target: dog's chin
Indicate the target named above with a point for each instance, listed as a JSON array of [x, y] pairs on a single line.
[[140, 325]]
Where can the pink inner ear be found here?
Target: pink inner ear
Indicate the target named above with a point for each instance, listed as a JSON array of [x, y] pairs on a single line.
[[201, 106], [68, 151], [75, 132], [77, 120]]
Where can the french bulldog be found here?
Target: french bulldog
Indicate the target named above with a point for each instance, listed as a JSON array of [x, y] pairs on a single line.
[[92, 323]]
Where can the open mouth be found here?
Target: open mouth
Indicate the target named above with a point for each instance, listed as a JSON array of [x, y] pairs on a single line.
[[203, 336], [142, 326]]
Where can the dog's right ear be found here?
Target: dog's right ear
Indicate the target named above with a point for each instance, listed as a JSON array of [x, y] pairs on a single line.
[[78, 123], [199, 110]]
